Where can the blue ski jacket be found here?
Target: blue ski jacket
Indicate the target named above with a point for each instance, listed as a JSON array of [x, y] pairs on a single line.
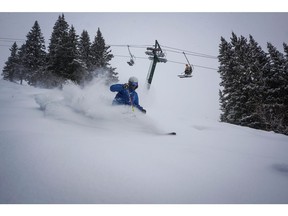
[[125, 96]]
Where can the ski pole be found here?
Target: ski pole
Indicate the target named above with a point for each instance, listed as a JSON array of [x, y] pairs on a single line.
[[130, 99]]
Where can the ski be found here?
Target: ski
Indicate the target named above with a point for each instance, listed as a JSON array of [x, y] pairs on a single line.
[[170, 133], [184, 76], [166, 133]]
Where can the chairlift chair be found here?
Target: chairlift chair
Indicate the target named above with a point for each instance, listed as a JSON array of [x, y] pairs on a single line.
[[187, 73], [131, 62]]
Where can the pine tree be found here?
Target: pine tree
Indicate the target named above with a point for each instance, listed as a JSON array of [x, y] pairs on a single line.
[[22, 70], [99, 51], [76, 66], [255, 84], [11, 69], [257, 66], [236, 77], [242, 81], [100, 57], [285, 46], [275, 94], [84, 49], [241, 66], [58, 53], [34, 58], [225, 70], [285, 90], [85, 54]]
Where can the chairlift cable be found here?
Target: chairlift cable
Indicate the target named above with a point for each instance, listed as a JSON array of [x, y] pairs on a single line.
[[171, 61], [189, 52], [169, 49], [193, 54]]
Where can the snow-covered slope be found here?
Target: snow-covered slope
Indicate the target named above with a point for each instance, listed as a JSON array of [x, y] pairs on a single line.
[[71, 146]]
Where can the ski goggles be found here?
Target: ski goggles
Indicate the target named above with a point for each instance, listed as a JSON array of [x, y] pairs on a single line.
[[134, 84]]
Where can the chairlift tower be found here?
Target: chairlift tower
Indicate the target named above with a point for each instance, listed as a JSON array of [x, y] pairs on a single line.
[[155, 55]]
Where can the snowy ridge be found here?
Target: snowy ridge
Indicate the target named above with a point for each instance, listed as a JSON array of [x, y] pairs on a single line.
[[71, 146]]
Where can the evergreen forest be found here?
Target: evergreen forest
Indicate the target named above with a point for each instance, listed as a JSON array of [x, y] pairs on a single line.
[[254, 84], [70, 58]]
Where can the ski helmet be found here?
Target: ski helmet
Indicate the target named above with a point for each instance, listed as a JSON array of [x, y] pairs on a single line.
[[133, 82], [133, 79]]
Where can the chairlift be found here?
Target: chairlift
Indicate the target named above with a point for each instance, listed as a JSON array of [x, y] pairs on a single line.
[[188, 69], [131, 62]]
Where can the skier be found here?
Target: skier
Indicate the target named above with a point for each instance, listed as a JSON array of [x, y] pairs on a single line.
[[126, 94], [188, 70]]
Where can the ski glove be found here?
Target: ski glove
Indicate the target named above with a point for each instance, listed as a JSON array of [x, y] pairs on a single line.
[[126, 86], [143, 111]]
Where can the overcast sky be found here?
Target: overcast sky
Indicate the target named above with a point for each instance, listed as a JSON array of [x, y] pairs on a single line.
[[198, 32]]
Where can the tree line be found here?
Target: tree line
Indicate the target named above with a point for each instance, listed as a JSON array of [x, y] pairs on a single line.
[[254, 84], [69, 58]]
